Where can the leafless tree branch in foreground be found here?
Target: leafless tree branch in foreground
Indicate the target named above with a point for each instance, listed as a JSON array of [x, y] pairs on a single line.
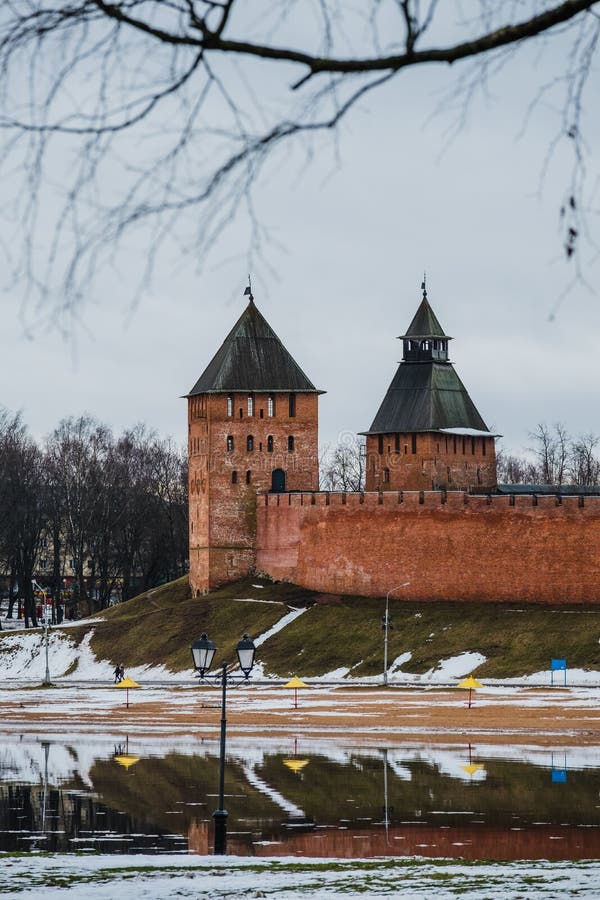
[[151, 121]]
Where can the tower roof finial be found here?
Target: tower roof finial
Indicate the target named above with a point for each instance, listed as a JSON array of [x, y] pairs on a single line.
[[424, 286], [248, 291]]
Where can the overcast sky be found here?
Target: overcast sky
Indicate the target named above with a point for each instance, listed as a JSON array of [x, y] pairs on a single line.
[[341, 279]]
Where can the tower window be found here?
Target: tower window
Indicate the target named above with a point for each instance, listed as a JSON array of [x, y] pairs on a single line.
[[473, 446], [271, 405], [454, 443], [397, 443], [291, 444], [250, 404], [250, 443], [464, 442], [229, 405], [248, 476], [270, 443], [234, 477], [292, 405], [380, 443], [386, 475], [483, 446], [229, 443], [413, 438], [241, 413], [261, 414]]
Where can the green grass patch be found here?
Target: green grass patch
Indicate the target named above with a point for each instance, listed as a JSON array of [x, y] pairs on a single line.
[[336, 632]]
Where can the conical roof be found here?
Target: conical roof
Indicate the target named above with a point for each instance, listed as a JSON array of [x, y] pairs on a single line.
[[426, 397], [252, 358], [425, 323]]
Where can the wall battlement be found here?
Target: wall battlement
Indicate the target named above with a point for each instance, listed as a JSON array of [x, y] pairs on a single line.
[[440, 500], [449, 545]]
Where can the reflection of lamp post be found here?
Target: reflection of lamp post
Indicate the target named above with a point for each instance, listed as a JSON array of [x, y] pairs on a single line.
[[386, 626], [46, 681], [203, 652]]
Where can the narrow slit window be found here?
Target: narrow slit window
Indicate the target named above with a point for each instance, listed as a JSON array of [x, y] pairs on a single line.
[[413, 438], [291, 444], [483, 446], [248, 476], [229, 443], [250, 443], [234, 477], [270, 443], [292, 405], [386, 476], [380, 443], [229, 405]]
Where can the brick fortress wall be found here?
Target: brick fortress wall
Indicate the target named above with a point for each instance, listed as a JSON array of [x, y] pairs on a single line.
[[449, 546]]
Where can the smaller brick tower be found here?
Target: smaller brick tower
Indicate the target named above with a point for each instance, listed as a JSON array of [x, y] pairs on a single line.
[[427, 434], [252, 427]]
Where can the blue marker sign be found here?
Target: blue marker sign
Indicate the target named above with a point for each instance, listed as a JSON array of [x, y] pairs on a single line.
[[558, 665]]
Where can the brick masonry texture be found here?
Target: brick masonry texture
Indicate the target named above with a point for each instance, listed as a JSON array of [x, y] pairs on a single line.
[[449, 546], [428, 461], [223, 513]]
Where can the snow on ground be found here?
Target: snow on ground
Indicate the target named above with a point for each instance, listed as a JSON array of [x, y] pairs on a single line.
[[23, 659], [163, 878]]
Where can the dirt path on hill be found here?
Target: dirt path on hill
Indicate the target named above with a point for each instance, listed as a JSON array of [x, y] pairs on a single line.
[[539, 716]]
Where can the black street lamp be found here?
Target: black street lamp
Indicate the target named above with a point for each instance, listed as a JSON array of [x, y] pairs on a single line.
[[203, 652]]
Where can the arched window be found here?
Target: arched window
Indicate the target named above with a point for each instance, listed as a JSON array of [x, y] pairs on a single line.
[[229, 443], [291, 444], [250, 404], [248, 476], [270, 443], [234, 477], [229, 404], [271, 405], [250, 443]]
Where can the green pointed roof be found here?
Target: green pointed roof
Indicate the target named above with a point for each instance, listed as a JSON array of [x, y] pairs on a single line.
[[425, 323], [252, 358], [426, 397]]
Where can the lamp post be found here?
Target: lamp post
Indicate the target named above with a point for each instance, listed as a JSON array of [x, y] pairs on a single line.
[[46, 682], [203, 652], [386, 626]]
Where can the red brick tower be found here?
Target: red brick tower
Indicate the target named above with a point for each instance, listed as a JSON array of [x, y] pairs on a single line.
[[427, 434], [252, 427]]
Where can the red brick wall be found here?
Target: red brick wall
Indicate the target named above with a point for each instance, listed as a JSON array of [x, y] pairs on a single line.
[[223, 514], [451, 547], [427, 461]]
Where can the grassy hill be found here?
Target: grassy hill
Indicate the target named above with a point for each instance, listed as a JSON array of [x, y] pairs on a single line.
[[335, 631]]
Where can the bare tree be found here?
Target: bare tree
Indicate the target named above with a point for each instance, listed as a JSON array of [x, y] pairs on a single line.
[[584, 462], [145, 114], [342, 468], [551, 449]]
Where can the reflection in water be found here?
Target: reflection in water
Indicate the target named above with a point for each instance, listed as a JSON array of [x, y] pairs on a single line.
[[475, 802]]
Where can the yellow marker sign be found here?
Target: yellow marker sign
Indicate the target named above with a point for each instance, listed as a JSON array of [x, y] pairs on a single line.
[[296, 765], [127, 683], [472, 684], [295, 683], [127, 759]]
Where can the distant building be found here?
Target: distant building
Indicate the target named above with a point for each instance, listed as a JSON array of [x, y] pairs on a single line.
[[427, 433]]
